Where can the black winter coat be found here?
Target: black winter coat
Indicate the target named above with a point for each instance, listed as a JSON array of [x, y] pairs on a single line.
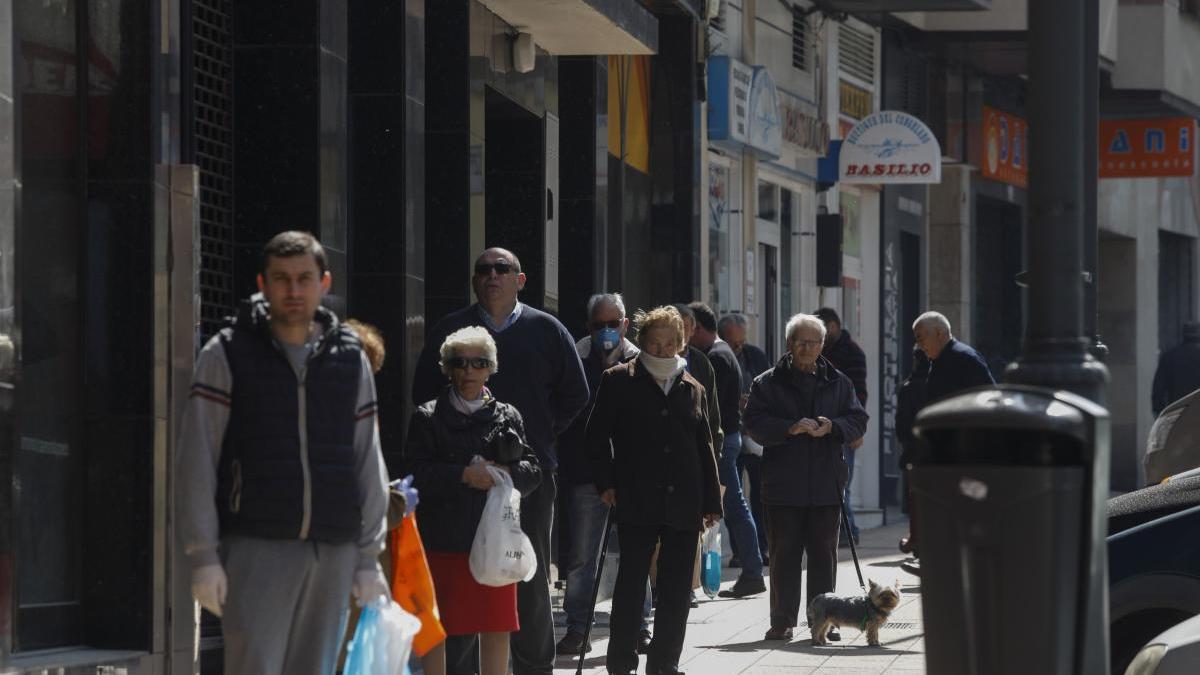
[[958, 367], [848, 357], [441, 442], [655, 449], [1177, 375], [909, 401], [801, 470]]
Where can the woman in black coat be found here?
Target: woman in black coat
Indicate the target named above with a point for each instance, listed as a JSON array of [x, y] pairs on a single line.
[[652, 457], [802, 411], [451, 440]]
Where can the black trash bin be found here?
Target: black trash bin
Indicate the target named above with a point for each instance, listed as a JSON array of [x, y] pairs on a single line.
[[1010, 485]]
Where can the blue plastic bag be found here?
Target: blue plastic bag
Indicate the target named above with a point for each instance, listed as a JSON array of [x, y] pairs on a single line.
[[710, 561], [382, 641]]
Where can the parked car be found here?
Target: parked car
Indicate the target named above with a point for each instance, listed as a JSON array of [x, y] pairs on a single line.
[[1174, 652], [1153, 564]]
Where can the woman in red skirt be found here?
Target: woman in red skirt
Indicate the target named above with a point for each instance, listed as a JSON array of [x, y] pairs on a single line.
[[444, 437]]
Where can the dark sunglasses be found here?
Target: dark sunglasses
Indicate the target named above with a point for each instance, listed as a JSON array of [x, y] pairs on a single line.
[[615, 323], [461, 362], [502, 268]]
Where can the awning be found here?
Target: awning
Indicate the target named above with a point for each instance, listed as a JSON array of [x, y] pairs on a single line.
[[582, 27]]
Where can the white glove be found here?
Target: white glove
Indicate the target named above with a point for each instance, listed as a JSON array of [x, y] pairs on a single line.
[[209, 586], [369, 585]]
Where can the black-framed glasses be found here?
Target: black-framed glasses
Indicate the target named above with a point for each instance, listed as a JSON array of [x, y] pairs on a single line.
[[501, 268], [811, 344], [615, 323], [461, 362]]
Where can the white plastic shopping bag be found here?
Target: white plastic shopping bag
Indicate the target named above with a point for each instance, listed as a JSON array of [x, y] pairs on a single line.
[[501, 553], [383, 640]]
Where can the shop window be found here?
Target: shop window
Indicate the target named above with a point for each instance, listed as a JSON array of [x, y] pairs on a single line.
[[719, 242], [768, 201]]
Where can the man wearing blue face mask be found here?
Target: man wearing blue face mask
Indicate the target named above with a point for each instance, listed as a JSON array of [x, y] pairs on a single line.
[[585, 515]]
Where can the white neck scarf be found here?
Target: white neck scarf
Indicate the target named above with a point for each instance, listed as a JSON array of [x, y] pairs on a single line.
[[664, 371], [468, 407]]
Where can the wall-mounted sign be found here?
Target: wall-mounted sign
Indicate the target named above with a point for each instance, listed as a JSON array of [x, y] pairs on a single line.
[[854, 102], [890, 147], [807, 133], [1147, 147], [743, 106], [1005, 148]]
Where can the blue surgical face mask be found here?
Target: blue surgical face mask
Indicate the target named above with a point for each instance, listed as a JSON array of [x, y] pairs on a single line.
[[606, 339]]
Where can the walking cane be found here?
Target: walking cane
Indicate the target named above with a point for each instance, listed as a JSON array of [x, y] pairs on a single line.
[[849, 536], [587, 627]]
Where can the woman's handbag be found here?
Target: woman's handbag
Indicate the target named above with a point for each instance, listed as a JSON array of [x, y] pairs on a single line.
[[412, 584], [501, 553]]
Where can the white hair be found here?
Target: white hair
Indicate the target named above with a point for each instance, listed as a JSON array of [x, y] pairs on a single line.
[[613, 299], [731, 319], [803, 320], [936, 318], [471, 337]]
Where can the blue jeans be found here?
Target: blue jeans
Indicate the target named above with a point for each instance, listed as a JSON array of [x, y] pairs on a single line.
[[738, 519], [849, 453], [587, 516]]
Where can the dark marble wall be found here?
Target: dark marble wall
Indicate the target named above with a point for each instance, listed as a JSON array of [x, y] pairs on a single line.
[[387, 202], [290, 130]]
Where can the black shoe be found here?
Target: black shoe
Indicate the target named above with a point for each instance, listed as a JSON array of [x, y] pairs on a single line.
[[834, 635], [778, 633], [663, 670], [643, 642], [744, 587], [735, 562], [572, 644], [913, 567]]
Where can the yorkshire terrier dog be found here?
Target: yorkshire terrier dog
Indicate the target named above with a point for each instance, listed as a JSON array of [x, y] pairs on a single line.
[[866, 613]]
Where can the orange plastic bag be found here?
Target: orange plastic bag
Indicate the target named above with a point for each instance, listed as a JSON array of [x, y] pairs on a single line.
[[412, 584]]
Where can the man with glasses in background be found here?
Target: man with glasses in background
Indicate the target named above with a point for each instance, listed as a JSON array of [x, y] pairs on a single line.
[[543, 377]]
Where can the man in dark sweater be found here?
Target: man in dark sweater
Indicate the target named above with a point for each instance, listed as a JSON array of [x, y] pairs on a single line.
[[844, 353], [738, 518], [1178, 372], [953, 365], [541, 375]]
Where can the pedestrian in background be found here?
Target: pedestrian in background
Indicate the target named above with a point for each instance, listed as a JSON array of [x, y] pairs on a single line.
[[282, 512], [754, 362], [586, 514], [844, 353], [738, 519], [1178, 372], [542, 378], [446, 438], [953, 365], [652, 457], [910, 399], [699, 367], [802, 411]]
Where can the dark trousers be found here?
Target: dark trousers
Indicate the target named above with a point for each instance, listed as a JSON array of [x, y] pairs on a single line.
[[532, 647], [676, 558], [752, 465], [793, 531]]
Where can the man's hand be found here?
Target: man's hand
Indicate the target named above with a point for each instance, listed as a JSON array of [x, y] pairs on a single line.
[[711, 519], [209, 586], [824, 426], [804, 426], [369, 585], [609, 497], [476, 475]]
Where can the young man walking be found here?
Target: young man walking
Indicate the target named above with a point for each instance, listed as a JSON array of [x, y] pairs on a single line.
[[282, 496]]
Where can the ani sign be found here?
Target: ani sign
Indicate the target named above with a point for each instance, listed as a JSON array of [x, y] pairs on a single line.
[[890, 147]]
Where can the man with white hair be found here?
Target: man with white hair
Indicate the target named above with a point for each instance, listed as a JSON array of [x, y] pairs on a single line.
[[954, 365], [802, 411]]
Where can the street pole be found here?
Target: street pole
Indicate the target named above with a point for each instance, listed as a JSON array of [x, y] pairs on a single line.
[[1091, 167], [1061, 57]]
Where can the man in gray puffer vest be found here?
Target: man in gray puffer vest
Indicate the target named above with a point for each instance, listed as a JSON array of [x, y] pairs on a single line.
[[282, 496]]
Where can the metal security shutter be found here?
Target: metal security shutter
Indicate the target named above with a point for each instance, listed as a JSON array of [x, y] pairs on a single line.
[[856, 54], [212, 113], [800, 41]]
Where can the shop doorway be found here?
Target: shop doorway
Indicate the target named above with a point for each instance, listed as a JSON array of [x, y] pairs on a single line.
[[998, 323], [515, 187], [768, 281], [1175, 288]]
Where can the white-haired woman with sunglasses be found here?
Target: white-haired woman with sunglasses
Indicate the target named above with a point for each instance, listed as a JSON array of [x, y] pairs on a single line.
[[444, 437]]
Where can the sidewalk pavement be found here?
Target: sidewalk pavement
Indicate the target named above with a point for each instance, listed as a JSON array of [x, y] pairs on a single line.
[[725, 636]]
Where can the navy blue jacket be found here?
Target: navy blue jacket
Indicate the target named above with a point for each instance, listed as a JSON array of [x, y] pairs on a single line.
[[958, 367], [539, 373]]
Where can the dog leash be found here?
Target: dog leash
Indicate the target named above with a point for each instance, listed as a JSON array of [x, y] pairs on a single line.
[[849, 535]]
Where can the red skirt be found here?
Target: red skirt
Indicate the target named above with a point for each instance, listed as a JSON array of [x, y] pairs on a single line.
[[466, 605]]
